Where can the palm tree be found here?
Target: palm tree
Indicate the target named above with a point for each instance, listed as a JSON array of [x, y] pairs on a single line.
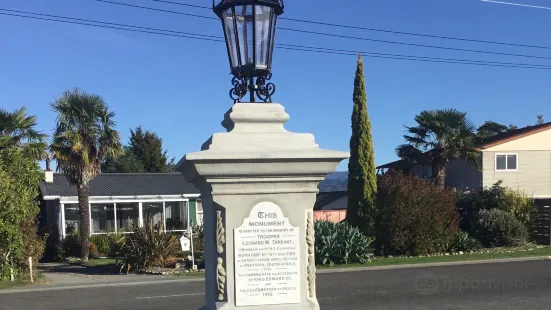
[[83, 138], [439, 137], [17, 130]]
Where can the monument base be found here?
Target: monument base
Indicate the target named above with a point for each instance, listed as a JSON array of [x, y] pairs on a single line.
[[225, 306]]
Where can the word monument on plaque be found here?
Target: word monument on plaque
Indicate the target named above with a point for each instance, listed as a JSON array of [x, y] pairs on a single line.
[[266, 256]]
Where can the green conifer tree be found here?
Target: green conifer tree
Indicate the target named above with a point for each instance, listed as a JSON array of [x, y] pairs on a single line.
[[362, 178]]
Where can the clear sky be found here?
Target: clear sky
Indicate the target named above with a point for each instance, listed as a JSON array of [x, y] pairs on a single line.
[[179, 87]]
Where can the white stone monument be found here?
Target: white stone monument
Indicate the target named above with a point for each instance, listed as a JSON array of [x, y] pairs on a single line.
[[258, 183]]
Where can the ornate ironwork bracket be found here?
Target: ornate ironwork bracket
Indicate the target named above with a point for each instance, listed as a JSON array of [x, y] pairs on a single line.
[[243, 85]]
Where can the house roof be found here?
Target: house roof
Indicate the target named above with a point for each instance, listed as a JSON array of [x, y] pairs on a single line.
[[515, 134], [324, 198], [123, 184], [425, 157], [498, 139]]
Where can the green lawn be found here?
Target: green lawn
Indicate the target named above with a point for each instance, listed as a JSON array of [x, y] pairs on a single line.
[[494, 254], [9, 284], [379, 261], [102, 262], [189, 274]]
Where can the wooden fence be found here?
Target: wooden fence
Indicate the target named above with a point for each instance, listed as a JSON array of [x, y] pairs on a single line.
[[542, 222], [334, 216]]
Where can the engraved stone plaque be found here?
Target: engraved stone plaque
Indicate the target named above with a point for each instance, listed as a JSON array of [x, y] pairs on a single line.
[[267, 258]]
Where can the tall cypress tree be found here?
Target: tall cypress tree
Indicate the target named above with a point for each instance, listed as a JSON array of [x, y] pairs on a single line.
[[362, 179]]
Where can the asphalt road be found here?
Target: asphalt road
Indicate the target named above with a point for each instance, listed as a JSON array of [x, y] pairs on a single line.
[[514, 285]]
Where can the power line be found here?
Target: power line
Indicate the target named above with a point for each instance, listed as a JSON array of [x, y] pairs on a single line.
[[519, 4], [411, 44], [336, 35], [414, 56], [295, 47], [184, 4], [109, 27], [375, 29], [281, 46], [221, 39], [156, 9]]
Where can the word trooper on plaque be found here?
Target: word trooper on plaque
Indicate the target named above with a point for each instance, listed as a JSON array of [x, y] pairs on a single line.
[[267, 258]]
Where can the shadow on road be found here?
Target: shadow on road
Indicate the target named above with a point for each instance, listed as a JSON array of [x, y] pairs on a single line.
[[53, 268]]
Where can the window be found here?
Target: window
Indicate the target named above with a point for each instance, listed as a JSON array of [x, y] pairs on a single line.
[[152, 211], [176, 215], [128, 215], [72, 218], [506, 162], [103, 217], [199, 212]]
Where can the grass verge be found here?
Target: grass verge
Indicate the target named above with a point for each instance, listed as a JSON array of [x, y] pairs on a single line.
[[496, 253], [97, 263], [9, 284], [189, 274]]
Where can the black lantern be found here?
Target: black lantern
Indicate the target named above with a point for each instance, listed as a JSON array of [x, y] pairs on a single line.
[[249, 28]]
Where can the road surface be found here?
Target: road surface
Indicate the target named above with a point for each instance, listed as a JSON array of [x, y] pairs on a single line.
[[513, 285]]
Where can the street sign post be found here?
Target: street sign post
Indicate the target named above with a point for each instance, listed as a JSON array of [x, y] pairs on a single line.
[[186, 241]]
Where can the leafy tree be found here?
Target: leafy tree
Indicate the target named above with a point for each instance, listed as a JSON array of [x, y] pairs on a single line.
[[540, 119], [19, 180], [512, 127], [17, 129], [362, 179], [147, 146], [448, 134], [144, 153], [83, 138], [126, 163], [490, 129]]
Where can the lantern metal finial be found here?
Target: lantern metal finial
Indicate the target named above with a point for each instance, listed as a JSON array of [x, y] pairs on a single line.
[[249, 30]]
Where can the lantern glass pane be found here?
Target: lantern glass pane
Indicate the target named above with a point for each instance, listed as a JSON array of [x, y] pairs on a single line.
[[262, 40], [244, 16], [230, 35], [272, 39], [249, 24]]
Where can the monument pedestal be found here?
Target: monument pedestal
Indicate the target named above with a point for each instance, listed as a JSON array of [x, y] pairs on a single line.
[[258, 184]]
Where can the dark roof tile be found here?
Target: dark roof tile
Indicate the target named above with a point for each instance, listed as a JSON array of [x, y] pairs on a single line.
[[123, 184], [325, 198]]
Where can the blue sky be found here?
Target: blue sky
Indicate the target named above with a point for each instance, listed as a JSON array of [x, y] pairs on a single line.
[[179, 87]]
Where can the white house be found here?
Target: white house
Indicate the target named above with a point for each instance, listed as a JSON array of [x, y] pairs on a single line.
[[119, 200]]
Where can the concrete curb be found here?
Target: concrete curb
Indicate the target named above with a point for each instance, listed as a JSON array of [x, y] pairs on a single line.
[[424, 265], [29, 289]]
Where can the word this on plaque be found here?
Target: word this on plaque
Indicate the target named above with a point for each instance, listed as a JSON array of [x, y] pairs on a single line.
[[267, 258]]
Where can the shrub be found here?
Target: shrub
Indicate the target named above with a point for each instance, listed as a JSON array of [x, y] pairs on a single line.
[[170, 262], [499, 228], [102, 244], [93, 251], [520, 205], [516, 203], [19, 207], [340, 243], [416, 217], [198, 237], [70, 246], [464, 242], [148, 247], [108, 244]]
